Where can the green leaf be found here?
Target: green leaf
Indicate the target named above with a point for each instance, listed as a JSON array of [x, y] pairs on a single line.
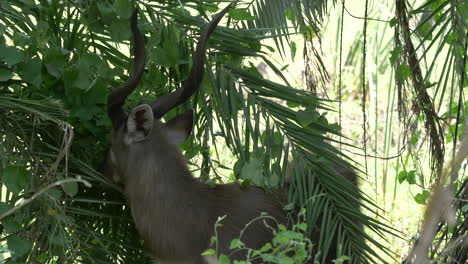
[[300, 253], [70, 188], [288, 207], [403, 72], [421, 198], [10, 55], [236, 243], [424, 30], [292, 104], [411, 177], [30, 71], [266, 247], [402, 176], [54, 61], [252, 69], [274, 139], [19, 246], [223, 259], [97, 94], [335, 127], [93, 19], [119, 30], [393, 22], [210, 7], [55, 193], [293, 47], [82, 81], [394, 55], [86, 73], [89, 62], [285, 260], [241, 14], [209, 252], [309, 33], [241, 262], [42, 258], [307, 116], [5, 74], [270, 48], [20, 39], [123, 8], [414, 138], [289, 14], [15, 178], [105, 9], [273, 180], [237, 168], [451, 38], [252, 170], [269, 259], [85, 112], [255, 45], [4, 207], [451, 133], [168, 55], [302, 226], [323, 121], [10, 224], [285, 237], [41, 35]]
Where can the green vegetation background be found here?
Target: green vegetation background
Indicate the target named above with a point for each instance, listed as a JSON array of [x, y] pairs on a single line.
[[305, 81]]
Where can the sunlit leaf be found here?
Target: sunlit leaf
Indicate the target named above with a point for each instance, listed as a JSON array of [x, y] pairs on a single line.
[[241, 14], [421, 198], [209, 252]]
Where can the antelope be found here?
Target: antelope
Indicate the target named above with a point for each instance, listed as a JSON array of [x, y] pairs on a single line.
[[173, 212]]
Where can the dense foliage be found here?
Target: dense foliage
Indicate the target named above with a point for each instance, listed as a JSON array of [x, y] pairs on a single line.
[[59, 60]]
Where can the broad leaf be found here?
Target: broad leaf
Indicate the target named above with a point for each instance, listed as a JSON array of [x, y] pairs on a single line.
[[15, 178]]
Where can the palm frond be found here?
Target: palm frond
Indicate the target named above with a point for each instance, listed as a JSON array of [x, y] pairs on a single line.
[[75, 51]]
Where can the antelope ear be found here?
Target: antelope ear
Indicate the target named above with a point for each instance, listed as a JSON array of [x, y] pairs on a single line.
[[139, 124], [180, 127]]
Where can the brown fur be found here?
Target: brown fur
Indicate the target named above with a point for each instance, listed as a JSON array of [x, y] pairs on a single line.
[[173, 212]]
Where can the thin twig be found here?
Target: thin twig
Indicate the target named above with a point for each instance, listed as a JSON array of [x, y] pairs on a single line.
[[39, 193]]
